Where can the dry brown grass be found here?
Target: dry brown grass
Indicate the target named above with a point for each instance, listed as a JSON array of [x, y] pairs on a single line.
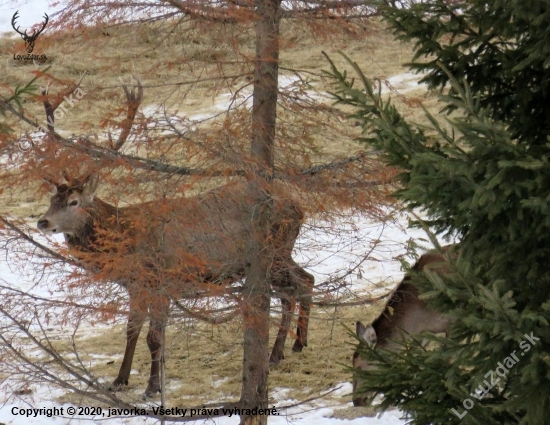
[[162, 61], [204, 362]]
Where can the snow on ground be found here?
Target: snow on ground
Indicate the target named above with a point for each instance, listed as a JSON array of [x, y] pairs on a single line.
[[328, 250], [306, 417], [323, 248], [402, 83], [164, 122]]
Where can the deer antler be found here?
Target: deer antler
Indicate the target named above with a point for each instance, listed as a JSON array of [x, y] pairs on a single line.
[[50, 107], [53, 183], [133, 100], [68, 178]]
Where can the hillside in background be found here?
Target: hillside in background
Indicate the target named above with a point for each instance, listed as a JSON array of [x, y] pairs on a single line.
[[178, 71]]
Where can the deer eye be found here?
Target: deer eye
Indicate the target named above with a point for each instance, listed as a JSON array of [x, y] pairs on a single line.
[[73, 203]]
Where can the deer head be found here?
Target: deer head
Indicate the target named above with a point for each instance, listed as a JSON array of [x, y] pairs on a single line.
[[69, 204], [405, 315], [29, 39], [367, 336]]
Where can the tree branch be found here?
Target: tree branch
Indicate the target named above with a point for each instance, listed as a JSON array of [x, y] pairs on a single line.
[[44, 248]]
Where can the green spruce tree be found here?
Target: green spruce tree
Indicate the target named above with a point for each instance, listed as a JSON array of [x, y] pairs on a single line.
[[486, 178]]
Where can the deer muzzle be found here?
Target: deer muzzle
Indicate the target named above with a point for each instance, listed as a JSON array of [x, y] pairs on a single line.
[[44, 226]]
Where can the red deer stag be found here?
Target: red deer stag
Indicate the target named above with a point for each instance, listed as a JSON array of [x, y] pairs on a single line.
[[405, 314], [189, 242]]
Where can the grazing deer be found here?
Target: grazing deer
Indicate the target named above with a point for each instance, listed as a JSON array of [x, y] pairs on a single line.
[[160, 251], [405, 314]]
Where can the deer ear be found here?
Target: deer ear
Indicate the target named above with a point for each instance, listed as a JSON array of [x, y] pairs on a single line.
[[52, 187], [367, 333], [89, 185], [359, 329], [370, 336]]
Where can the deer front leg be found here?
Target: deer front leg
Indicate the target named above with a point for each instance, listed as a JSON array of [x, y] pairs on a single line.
[[133, 329]]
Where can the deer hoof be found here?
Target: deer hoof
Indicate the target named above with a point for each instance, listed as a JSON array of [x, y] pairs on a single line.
[[274, 361], [359, 402], [276, 358], [117, 384], [151, 391], [297, 347]]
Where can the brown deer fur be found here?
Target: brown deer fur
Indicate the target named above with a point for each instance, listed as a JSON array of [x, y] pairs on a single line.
[[405, 314], [162, 251]]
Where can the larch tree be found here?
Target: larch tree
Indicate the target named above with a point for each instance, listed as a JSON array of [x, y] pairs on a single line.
[[160, 156], [264, 115], [480, 173]]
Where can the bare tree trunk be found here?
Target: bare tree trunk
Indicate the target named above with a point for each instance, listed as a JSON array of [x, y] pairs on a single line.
[[260, 254], [162, 361]]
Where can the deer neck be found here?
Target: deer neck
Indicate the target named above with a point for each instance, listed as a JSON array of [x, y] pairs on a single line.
[[99, 217], [389, 323]]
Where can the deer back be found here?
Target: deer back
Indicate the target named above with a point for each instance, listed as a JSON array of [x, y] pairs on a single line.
[[202, 237], [405, 313]]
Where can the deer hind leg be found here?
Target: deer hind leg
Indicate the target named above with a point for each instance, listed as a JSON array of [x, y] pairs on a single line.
[[302, 283], [155, 338], [287, 305], [136, 318]]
